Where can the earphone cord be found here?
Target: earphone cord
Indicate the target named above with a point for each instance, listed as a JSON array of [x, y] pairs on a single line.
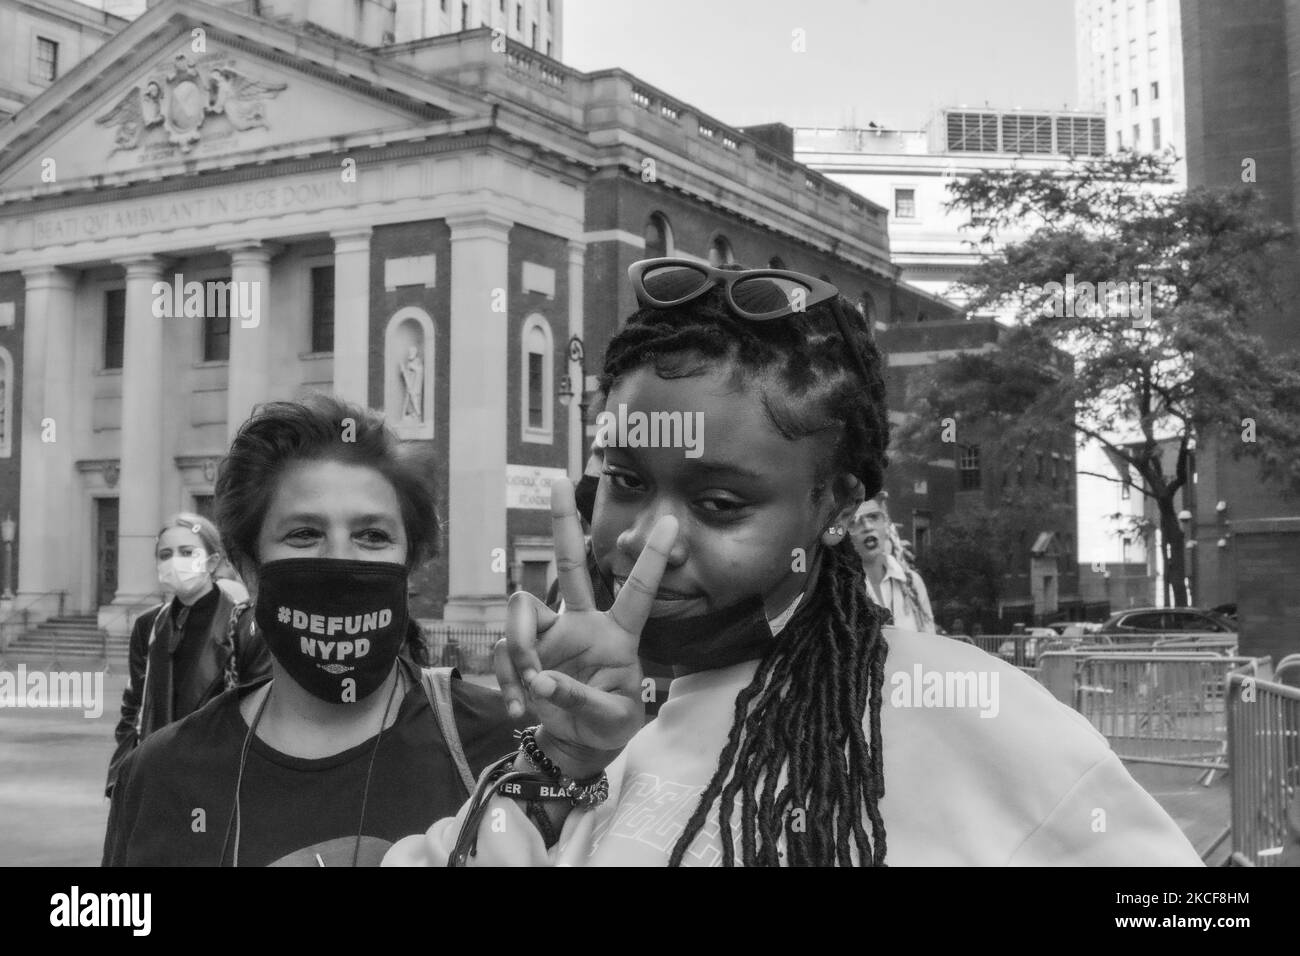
[[374, 752], [239, 780], [235, 818]]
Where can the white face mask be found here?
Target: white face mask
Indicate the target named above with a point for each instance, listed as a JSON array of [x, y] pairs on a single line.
[[185, 574]]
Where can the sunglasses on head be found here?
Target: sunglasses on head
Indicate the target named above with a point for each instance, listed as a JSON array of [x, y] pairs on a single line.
[[756, 295]]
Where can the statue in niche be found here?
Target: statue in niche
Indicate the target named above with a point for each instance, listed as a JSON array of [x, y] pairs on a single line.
[[413, 380]]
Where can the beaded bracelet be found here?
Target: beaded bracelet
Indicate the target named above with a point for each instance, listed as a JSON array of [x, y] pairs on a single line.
[[583, 794]]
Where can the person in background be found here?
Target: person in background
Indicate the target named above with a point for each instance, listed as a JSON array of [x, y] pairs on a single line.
[[891, 582], [190, 648]]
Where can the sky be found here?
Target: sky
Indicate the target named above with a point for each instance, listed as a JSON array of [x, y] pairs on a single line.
[[894, 62]]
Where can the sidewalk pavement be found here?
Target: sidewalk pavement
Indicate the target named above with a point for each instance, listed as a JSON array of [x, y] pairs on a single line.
[[53, 811]]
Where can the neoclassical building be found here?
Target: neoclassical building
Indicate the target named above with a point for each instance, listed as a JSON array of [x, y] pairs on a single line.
[[217, 208]]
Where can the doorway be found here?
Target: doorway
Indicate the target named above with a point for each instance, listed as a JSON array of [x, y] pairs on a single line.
[[106, 549]]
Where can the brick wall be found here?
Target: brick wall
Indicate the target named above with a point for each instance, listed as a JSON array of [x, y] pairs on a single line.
[[429, 584], [530, 245], [1268, 599]]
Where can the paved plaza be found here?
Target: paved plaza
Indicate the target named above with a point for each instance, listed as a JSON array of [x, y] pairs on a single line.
[[53, 812]]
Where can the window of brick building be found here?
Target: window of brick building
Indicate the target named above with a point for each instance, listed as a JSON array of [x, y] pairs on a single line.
[[968, 468]]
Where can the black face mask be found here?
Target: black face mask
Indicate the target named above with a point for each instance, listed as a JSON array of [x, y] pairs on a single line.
[[584, 495], [709, 641], [336, 626]]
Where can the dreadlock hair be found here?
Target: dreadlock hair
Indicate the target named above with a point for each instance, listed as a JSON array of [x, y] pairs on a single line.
[[797, 740]]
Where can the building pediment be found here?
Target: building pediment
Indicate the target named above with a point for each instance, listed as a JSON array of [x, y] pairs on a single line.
[[196, 89]]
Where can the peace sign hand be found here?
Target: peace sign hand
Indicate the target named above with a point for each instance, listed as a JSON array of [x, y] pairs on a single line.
[[579, 669]]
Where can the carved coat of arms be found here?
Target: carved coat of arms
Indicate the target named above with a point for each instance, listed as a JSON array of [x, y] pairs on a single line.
[[180, 95]]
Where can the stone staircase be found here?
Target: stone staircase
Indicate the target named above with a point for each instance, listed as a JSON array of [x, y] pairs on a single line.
[[68, 636]]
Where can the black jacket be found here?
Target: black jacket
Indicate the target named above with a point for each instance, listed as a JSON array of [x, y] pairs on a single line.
[[157, 694]]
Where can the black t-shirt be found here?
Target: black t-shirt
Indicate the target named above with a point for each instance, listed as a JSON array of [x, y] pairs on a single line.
[[176, 794]]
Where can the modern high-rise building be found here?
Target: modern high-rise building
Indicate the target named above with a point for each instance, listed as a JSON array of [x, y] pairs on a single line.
[[1129, 57]]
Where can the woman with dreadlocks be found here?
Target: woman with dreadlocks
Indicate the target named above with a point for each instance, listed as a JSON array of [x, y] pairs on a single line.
[[798, 729]]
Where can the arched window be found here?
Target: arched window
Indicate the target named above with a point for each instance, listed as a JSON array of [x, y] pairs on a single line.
[[720, 251], [658, 236], [776, 262], [537, 381], [409, 372]]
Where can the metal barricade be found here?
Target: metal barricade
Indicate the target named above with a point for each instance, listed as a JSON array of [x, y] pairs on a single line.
[[1160, 708], [464, 646], [1264, 751], [1021, 650]]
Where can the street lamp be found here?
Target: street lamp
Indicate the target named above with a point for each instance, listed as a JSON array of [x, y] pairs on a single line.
[[8, 528], [566, 393]]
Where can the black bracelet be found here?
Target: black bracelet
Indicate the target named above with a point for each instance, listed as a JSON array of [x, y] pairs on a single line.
[[583, 794], [528, 746]]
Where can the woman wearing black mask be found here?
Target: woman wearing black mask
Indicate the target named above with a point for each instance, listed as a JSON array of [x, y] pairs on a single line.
[[343, 751]]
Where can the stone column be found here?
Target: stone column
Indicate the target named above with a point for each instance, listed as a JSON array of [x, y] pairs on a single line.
[[352, 315], [140, 504], [477, 444], [46, 535], [249, 375], [577, 431]]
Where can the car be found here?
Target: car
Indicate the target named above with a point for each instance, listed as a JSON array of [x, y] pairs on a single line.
[[1167, 620], [1081, 629], [1074, 628]]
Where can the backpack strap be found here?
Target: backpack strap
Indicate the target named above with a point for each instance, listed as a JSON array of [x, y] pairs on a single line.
[[437, 687]]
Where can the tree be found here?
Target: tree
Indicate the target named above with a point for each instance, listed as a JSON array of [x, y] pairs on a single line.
[[1150, 292]]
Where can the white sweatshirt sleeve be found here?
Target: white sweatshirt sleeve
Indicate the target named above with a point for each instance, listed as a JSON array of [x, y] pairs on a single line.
[[1106, 819]]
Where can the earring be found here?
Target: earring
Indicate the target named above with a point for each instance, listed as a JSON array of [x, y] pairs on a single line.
[[833, 535]]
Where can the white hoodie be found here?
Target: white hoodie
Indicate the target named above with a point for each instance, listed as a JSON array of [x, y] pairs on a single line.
[[1030, 784]]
